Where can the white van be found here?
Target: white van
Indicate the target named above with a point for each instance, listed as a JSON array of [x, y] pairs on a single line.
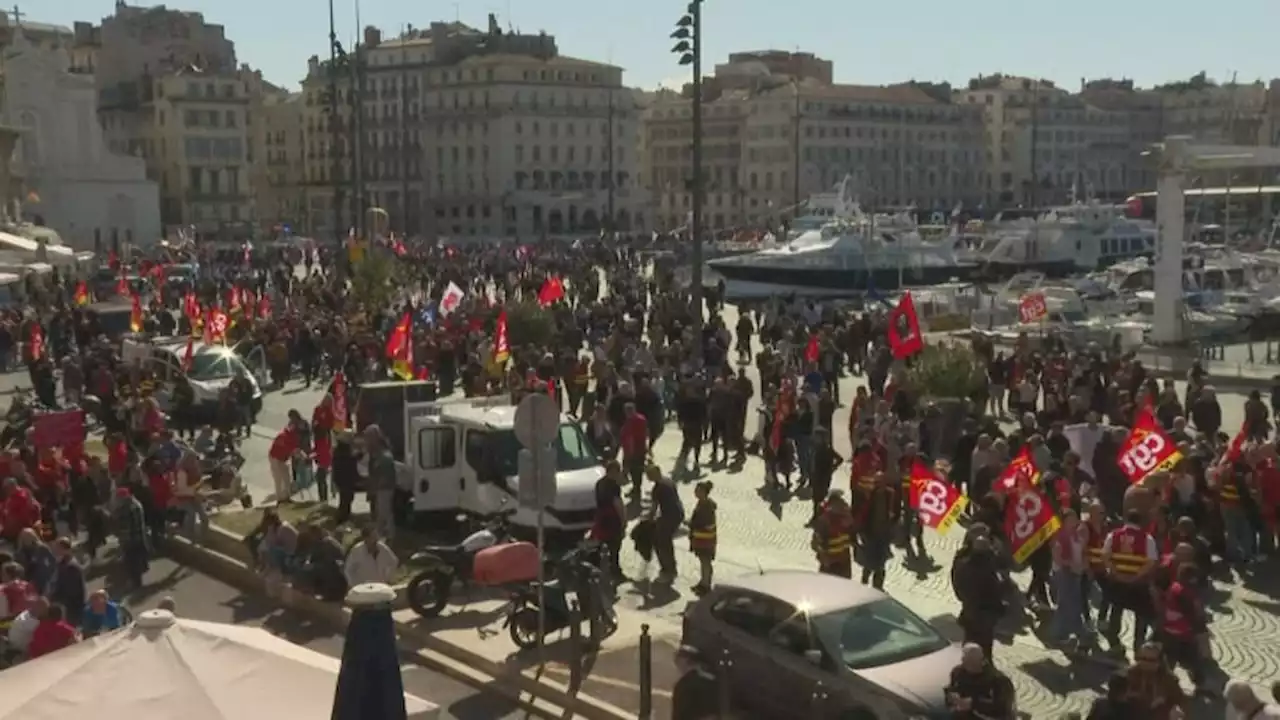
[[462, 456]]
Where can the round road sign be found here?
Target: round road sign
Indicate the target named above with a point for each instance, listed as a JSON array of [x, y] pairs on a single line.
[[537, 420]]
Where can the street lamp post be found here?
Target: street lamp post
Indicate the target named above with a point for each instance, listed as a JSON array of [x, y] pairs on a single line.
[[688, 34], [335, 135]]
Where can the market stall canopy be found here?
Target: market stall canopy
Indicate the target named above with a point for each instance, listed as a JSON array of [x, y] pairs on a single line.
[[33, 249], [167, 667]]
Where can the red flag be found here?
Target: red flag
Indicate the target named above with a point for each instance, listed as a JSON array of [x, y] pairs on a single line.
[[937, 501], [552, 290], [37, 342], [1020, 472], [264, 307], [782, 410], [1236, 449], [1029, 521], [113, 260], [340, 401], [1032, 307], [122, 286], [218, 325], [551, 388], [399, 348], [811, 351], [501, 345], [904, 329], [233, 299], [188, 357], [136, 319], [1147, 449], [81, 296]]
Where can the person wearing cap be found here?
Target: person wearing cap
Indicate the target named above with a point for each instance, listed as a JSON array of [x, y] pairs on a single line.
[[832, 539], [131, 530]]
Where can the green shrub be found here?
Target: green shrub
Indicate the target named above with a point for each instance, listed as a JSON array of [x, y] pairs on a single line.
[[529, 323], [946, 371]]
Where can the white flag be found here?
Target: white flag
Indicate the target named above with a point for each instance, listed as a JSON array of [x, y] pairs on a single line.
[[451, 299]]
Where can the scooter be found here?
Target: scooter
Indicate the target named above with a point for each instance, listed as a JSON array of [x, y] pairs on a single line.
[[577, 572], [429, 590]]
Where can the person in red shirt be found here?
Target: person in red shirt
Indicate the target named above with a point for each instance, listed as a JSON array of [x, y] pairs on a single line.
[[160, 483], [281, 453], [322, 422], [52, 634], [117, 455], [634, 441], [20, 511]]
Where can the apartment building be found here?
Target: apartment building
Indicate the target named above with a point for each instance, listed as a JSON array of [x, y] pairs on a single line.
[[278, 172], [776, 130], [170, 91], [475, 133]]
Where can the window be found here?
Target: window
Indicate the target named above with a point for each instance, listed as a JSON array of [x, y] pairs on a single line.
[[753, 614], [437, 448], [882, 632], [477, 440]]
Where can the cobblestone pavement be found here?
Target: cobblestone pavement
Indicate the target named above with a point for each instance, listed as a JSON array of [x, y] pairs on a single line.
[[755, 534]]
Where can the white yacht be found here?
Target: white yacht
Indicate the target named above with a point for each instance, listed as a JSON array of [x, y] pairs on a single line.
[[1065, 241], [879, 253]]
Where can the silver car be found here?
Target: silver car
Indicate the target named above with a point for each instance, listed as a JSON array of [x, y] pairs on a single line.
[[802, 644]]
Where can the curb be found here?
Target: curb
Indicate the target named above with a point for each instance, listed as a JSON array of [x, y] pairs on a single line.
[[543, 696]]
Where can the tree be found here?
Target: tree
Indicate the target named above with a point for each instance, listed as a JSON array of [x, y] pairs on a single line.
[[373, 282], [946, 371], [529, 323]]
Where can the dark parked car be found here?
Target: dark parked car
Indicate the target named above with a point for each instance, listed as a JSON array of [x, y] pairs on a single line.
[[817, 646]]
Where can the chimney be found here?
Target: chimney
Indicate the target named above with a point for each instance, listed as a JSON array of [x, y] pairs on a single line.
[[372, 36], [493, 25]]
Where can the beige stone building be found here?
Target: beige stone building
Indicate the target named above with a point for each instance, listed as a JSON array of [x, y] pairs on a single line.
[[776, 130], [170, 91], [477, 133], [1045, 144], [279, 167]]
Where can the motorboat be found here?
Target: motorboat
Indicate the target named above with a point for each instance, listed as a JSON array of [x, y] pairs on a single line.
[[870, 253], [1064, 241]]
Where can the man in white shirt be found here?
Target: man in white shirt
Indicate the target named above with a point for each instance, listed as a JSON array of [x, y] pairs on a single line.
[[370, 561]]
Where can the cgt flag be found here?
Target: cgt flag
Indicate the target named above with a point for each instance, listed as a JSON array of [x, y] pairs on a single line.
[[1019, 473], [905, 339], [938, 502], [1029, 521], [1147, 449]]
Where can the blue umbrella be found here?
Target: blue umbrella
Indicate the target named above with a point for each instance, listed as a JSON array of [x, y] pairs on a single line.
[[369, 683]]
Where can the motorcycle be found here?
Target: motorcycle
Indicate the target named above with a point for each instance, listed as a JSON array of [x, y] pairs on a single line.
[[578, 572], [429, 590]]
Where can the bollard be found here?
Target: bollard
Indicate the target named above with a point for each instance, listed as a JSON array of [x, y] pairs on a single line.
[[646, 674], [575, 646], [724, 686]]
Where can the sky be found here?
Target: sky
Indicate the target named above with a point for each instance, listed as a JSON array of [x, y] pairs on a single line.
[[870, 43]]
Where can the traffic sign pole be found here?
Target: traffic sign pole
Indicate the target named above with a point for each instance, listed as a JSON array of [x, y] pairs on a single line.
[[536, 425]]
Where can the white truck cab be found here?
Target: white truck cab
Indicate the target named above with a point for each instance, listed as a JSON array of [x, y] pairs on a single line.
[[462, 455]]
